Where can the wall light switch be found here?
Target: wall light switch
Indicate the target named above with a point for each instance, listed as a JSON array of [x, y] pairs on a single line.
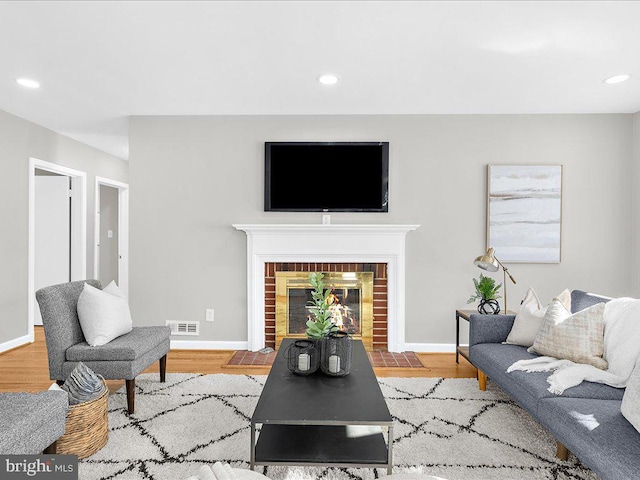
[[209, 315], [109, 233]]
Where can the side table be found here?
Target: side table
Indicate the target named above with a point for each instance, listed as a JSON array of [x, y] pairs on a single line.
[[464, 351]]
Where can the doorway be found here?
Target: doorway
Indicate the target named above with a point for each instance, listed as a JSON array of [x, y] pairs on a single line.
[[111, 233], [52, 231], [57, 229]]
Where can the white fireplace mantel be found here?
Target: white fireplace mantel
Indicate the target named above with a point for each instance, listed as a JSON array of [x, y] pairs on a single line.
[[334, 243]]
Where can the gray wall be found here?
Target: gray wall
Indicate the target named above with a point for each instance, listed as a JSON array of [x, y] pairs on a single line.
[[19, 140], [192, 177], [108, 246]]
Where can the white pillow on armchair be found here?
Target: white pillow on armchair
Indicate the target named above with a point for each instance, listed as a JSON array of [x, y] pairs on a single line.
[[103, 314]]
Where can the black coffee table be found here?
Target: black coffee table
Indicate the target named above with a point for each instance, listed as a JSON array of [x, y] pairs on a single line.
[[318, 420]]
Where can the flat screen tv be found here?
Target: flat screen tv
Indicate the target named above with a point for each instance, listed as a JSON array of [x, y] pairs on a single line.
[[326, 177]]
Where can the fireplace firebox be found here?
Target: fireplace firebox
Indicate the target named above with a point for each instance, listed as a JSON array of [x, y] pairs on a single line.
[[355, 301], [351, 304]]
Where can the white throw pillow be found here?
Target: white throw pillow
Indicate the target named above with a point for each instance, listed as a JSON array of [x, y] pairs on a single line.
[[530, 318], [622, 335], [113, 289], [104, 315], [631, 400]]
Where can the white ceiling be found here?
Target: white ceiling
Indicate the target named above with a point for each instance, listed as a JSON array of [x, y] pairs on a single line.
[[99, 62]]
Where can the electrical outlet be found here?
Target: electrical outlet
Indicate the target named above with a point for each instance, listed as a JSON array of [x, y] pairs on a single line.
[[209, 315]]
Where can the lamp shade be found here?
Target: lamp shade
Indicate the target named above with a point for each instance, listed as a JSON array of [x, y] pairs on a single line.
[[487, 261]]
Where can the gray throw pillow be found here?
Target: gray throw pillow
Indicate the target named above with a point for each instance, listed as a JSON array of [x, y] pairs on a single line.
[[631, 400]]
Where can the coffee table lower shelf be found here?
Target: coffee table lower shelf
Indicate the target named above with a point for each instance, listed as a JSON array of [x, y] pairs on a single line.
[[319, 445]]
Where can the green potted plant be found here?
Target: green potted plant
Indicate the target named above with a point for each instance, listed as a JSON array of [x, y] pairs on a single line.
[[487, 293], [322, 324]]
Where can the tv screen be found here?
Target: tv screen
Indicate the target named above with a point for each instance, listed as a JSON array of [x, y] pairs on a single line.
[[326, 177]]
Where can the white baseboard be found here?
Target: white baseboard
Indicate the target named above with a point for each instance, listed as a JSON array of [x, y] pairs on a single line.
[[430, 347], [17, 342], [207, 345]]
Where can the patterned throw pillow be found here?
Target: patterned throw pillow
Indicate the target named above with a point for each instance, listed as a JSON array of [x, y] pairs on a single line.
[[578, 337], [631, 400], [530, 318]]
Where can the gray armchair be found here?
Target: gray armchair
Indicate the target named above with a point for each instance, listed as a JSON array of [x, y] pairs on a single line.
[[122, 358]]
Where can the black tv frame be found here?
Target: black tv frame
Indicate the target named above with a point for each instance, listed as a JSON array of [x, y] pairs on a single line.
[[385, 178]]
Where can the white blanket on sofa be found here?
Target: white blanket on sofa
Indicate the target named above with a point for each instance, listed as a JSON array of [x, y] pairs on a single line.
[[621, 350]]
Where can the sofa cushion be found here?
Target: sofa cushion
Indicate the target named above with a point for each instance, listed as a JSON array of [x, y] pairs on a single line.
[[596, 432], [527, 388], [531, 316], [578, 337], [131, 346], [30, 422]]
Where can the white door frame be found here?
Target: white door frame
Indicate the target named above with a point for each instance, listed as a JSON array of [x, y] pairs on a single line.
[[78, 227], [123, 231]]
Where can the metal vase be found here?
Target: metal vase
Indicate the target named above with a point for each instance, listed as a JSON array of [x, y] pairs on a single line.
[[303, 357], [489, 306], [337, 354]]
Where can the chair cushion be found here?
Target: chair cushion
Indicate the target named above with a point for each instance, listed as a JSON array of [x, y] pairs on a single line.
[[131, 346], [103, 314]]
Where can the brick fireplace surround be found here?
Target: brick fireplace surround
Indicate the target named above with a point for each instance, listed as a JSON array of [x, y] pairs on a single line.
[[379, 294]]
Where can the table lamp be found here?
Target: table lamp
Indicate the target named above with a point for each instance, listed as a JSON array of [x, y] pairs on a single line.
[[490, 263]]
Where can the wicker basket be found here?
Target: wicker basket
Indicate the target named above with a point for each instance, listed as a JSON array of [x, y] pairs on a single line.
[[87, 429]]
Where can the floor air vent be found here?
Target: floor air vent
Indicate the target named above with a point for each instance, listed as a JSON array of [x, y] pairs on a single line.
[[184, 328]]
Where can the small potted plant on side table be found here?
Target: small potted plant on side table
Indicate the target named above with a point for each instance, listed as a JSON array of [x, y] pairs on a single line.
[[487, 293]]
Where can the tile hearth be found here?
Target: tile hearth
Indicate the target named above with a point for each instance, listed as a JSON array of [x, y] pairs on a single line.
[[245, 358]]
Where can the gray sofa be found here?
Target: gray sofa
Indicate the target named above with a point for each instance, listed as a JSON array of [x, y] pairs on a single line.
[[585, 419], [30, 423]]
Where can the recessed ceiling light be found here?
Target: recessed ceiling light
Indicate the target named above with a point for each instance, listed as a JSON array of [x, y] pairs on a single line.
[[27, 83], [617, 79], [328, 79]]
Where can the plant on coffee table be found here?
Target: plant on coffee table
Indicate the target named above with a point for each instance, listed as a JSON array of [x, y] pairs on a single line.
[[322, 324]]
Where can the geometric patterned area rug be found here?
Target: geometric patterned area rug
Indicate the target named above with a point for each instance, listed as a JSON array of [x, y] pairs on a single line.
[[443, 427]]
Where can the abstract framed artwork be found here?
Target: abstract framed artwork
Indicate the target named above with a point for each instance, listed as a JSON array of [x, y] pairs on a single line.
[[524, 212]]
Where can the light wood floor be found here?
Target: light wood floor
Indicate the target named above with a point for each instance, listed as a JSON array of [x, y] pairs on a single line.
[[26, 369]]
